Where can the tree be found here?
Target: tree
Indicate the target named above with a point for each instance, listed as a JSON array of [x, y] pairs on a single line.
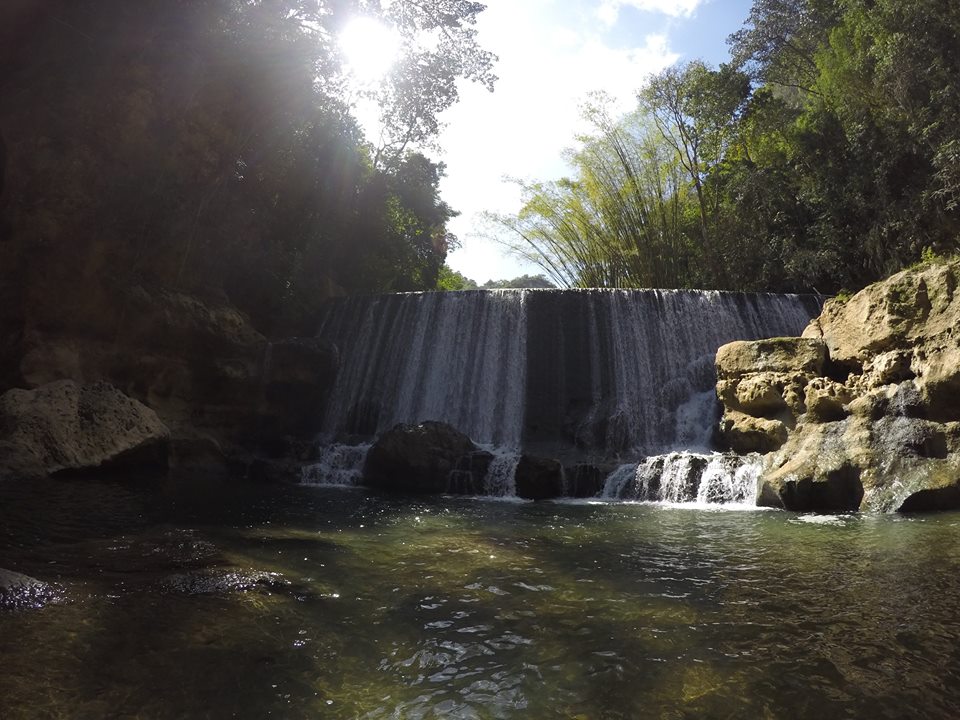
[[524, 281], [780, 40], [449, 279], [621, 220], [209, 145], [695, 110]]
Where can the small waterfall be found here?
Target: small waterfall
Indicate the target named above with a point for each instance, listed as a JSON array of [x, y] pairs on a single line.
[[337, 464], [499, 480], [683, 477]]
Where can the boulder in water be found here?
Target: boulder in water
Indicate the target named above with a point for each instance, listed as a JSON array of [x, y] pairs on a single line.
[[539, 478], [416, 458], [63, 426], [585, 480]]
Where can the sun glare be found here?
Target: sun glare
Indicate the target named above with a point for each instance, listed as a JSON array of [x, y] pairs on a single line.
[[370, 49]]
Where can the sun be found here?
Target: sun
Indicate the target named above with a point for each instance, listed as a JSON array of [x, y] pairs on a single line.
[[370, 49]]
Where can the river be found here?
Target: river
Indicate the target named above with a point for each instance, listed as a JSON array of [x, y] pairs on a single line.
[[218, 601]]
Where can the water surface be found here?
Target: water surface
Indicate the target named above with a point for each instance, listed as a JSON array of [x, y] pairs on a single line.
[[234, 601]]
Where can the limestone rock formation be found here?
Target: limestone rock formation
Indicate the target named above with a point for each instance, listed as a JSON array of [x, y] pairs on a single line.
[[296, 375], [416, 458], [863, 412], [64, 426], [762, 385]]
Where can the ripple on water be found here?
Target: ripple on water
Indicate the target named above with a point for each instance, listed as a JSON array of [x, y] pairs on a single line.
[[451, 608]]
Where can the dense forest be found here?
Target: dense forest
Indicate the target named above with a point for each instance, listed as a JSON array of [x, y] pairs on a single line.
[[210, 145], [824, 156]]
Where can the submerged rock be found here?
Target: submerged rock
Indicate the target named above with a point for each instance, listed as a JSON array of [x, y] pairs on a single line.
[[416, 458], [214, 581], [869, 400], [22, 592], [63, 426]]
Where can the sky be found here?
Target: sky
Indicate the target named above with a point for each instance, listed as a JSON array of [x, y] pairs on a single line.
[[552, 54]]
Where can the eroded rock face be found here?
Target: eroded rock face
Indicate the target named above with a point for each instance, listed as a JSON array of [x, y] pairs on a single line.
[[862, 412], [296, 376], [64, 426], [763, 386], [196, 361], [417, 458]]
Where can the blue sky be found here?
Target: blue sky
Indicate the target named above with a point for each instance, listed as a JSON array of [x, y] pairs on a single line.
[[552, 53]]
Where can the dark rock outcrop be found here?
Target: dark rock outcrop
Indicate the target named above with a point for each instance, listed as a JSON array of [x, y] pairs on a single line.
[[63, 426], [417, 458], [297, 373], [539, 478], [863, 412], [196, 361]]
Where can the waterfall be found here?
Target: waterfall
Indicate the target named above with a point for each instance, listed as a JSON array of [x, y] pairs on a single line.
[[588, 375], [499, 480], [459, 358], [338, 464], [631, 372], [683, 477]]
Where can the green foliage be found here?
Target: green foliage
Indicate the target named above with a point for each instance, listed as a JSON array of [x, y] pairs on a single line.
[[524, 281], [827, 156], [449, 279], [210, 145]]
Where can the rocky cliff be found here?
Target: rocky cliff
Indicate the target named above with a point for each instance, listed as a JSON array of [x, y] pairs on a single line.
[[195, 360], [863, 411]]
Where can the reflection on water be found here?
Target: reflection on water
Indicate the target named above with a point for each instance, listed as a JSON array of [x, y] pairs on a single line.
[[310, 602]]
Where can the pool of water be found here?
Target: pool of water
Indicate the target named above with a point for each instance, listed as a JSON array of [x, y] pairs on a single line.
[[302, 602]]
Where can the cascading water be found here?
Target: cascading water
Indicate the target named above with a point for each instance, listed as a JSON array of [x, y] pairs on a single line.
[[338, 464], [587, 375], [458, 358], [630, 373], [683, 477]]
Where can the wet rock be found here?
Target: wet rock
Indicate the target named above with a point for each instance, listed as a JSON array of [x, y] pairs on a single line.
[[271, 471], [539, 478], [416, 458], [584, 480], [297, 374], [469, 475], [64, 426], [22, 592], [216, 581]]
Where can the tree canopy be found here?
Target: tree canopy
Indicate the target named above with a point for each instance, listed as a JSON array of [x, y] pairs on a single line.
[[211, 144], [825, 156]]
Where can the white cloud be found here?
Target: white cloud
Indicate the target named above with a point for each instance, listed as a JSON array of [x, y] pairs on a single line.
[[609, 10], [549, 62]]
